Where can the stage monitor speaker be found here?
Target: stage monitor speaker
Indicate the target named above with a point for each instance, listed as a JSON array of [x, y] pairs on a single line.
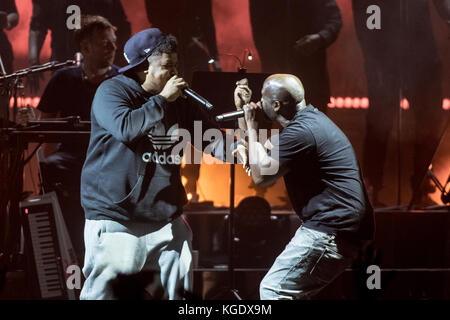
[[49, 250], [260, 236], [218, 88]]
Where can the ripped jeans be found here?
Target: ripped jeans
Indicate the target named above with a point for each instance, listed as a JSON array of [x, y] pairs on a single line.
[[310, 261]]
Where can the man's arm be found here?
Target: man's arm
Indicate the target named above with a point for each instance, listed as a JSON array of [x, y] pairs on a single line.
[[50, 105], [112, 111], [219, 147], [261, 162], [264, 168], [49, 148], [333, 22], [292, 147], [311, 43], [242, 96]]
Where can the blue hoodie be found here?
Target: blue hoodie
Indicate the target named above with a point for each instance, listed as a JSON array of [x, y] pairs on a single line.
[[132, 171]]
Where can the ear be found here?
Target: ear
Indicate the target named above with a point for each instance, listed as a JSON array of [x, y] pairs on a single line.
[[276, 105]]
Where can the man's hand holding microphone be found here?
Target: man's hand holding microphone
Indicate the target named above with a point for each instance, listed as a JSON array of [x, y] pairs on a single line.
[[242, 96], [174, 88]]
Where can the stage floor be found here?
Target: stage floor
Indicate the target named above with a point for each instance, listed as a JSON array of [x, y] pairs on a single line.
[[411, 248]]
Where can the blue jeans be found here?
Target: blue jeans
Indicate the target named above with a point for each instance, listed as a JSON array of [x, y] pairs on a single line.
[[310, 261], [124, 252]]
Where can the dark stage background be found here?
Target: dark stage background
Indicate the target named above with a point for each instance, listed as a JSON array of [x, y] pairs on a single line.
[[347, 79]]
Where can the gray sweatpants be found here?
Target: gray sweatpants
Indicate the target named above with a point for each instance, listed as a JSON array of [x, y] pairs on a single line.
[[117, 252]]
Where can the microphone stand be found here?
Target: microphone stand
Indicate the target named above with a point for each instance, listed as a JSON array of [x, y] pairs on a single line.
[[12, 163], [231, 229], [4, 114], [445, 196], [231, 288], [231, 235], [18, 75]]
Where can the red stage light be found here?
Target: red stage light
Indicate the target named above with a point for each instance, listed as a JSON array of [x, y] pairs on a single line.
[[25, 101], [335, 102], [331, 103], [404, 104], [365, 103], [348, 102], [446, 104], [339, 102]]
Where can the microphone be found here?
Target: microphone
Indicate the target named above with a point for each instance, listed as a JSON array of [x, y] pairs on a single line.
[[230, 116], [78, 58], [195, 96]]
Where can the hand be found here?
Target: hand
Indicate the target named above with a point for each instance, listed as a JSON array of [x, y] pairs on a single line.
[[309, 44], [173, 88], [242, 94], [241, 153], [25, 114], [251, 114]]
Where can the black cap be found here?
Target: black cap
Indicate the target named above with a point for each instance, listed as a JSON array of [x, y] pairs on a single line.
[[140, 46]]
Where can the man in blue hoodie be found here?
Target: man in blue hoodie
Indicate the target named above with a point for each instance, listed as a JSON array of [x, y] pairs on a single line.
[[131, 187]]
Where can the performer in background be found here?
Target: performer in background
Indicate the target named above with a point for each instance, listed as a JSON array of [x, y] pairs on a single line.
[[401, 61], [131, 187], [193, 25], [296, 39], [323, 181], [9, 18], [51, 15], [70, 92], [191, 22]]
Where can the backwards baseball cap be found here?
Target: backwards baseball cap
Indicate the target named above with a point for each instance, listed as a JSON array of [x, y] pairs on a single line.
[[140, 46]]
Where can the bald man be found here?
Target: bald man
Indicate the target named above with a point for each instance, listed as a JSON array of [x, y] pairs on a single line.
[[324, 184]]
